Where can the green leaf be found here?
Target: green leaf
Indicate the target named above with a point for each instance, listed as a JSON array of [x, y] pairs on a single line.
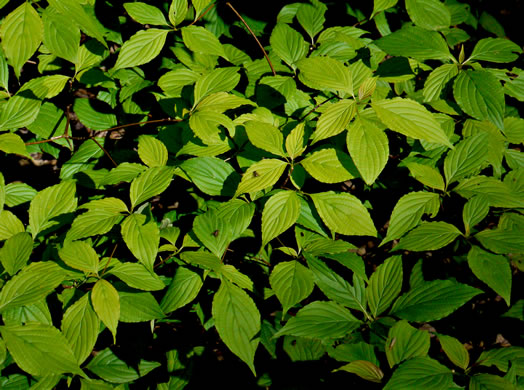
[[102, 214], [4, 71], [106, 303], [213, 231], [266, 137], [80, 327], [235, 276], [494, 270], [420, 372], [369, 149], [280, 212], [177, 11], [337, 288], [152, 151], [502, 241], [222, 101], [411, 119], [296, 142], [13, 143], [433, 300], [501, 358], [381, 5], [109, 367], [91, 117], [320, 319], [16, 252], [146, 14], [404, 342], [21, 34], [429, 236], [239, 215], [173, 82], [427, 175], [516, 311], [311, 18], [292, 282], [137, 276], [77, 14], [153, 181], [261, 175], [40, 349], [61, 37], [79, 255], [329, 166], [141, 48], [408, 213], [142, 238], [9, 225], [475, 210], [413, 41], [237, 321], [184, 287], [17, 194], [35, 312], [80, 160], [429, 14], [288, 44], [325, 73], [454, 350], [139, 307], [364, 369], [437, 80], [2, 192], [336, 209], [205, 125], [488, 382], [384, 285], [50, 203], [211, 175], [480, 95], [200, 40], [467, 158], [334, 120], [497, 193], [219, 80], [495, 50]]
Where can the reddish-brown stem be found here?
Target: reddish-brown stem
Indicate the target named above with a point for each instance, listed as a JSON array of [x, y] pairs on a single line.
[[105, 151], [110, 258], [254, 36], [204, 14]]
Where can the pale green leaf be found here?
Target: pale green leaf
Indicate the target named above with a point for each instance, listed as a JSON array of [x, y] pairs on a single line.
[[152, 151], [80, 327], [61, 37], [151, 182], [384, 285], [50, 203], [429, 14], [40, 349], [200, 40], [79, 255], [261, 175], [4, 71], [420, 372], [364, 369], [13, 143], [288, 44], [416, 42], [137, 276], [146, 14], [184, 287], [336, 209], [280, 212], [173, 82], [21, 34], [467, 158], [266, 137], [19, 111], [411, 119], [80, 161], [237, 321], [238, 214], [454, 350], [139, 307], [437, 80], [219, 80], [106, 303], [232, 274], [480, 95], [429, 236], [178, 11], [206, 126], [433, 300], [325, 73], [495, 50], [9, 225], [35, 312], [502, 241], [475, 210], [141, 48], [202, 259], [296, 142], [16, 252], [497, 193], [222, 101], [17, 194], [494, 270], [329, 166], [142, 238], [2, 192], [211, 175], [334, 120], [381, 5], [427, 175], [291, 282], [213, 231], [311, 18], [91, 117], [405, 342], [320, 319]]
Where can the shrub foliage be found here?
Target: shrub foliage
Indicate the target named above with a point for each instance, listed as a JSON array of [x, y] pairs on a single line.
[[185, 189]]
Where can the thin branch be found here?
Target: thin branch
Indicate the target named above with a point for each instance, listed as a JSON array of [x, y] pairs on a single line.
[[110, 258], [254, 36], [201, 16], [316, 107], [105, 151]]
